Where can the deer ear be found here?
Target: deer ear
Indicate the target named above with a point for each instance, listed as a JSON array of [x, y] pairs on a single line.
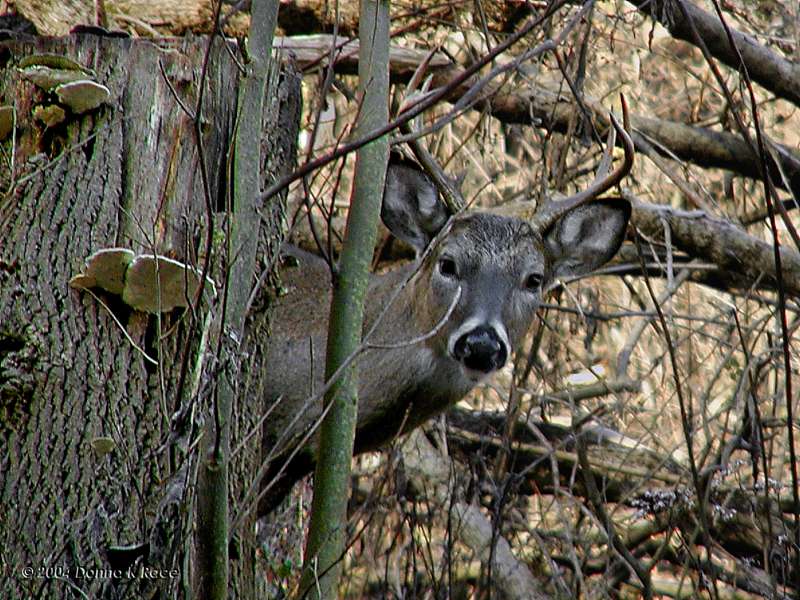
[[587, 237], [411, 206]]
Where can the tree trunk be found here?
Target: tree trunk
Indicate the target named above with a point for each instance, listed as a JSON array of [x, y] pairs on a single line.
[[327, 535], [100, 445]]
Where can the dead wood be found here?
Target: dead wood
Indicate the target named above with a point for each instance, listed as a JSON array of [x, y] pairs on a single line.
[[685, 21], [98, 434], [627, 474], [554, 111], [431, 471], [719, 242]]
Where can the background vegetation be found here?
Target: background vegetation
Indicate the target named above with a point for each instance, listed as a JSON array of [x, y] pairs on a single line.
[[644, 440], [682, 372]]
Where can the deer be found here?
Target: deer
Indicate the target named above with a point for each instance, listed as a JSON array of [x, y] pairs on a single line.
[[440, 325]]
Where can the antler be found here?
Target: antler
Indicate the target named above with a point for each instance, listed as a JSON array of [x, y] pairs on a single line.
[[603, 181]]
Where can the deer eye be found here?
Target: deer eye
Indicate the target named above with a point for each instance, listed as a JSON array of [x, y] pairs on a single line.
[[533, 282], [447, 267]]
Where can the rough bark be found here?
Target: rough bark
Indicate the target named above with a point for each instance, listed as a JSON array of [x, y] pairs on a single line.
[[282, 106], [239, 255], [96, 458]]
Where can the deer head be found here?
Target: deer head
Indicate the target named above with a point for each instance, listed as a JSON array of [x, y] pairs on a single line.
[[481, 276]]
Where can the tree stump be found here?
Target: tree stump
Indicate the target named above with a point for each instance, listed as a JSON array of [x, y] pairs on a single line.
[[99, 442]]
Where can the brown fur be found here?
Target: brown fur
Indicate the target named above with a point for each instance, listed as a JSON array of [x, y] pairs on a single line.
[[485, 261]]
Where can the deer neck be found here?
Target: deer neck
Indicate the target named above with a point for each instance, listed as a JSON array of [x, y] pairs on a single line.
[[404, 378]]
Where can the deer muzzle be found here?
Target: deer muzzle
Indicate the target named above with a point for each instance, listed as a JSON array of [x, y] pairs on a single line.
[[481, 349]]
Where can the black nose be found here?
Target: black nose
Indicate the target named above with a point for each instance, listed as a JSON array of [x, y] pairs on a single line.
[[481, 350]]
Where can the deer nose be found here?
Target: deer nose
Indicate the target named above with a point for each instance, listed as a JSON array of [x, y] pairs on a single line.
[[481, 349]]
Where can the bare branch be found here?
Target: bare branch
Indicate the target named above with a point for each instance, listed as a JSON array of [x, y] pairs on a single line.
[[769, 70], [541, 107], [604, 181], [717, 241]]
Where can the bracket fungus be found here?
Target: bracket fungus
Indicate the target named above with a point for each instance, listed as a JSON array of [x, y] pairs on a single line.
[[82, 95], [72, 83], [145, 282]]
